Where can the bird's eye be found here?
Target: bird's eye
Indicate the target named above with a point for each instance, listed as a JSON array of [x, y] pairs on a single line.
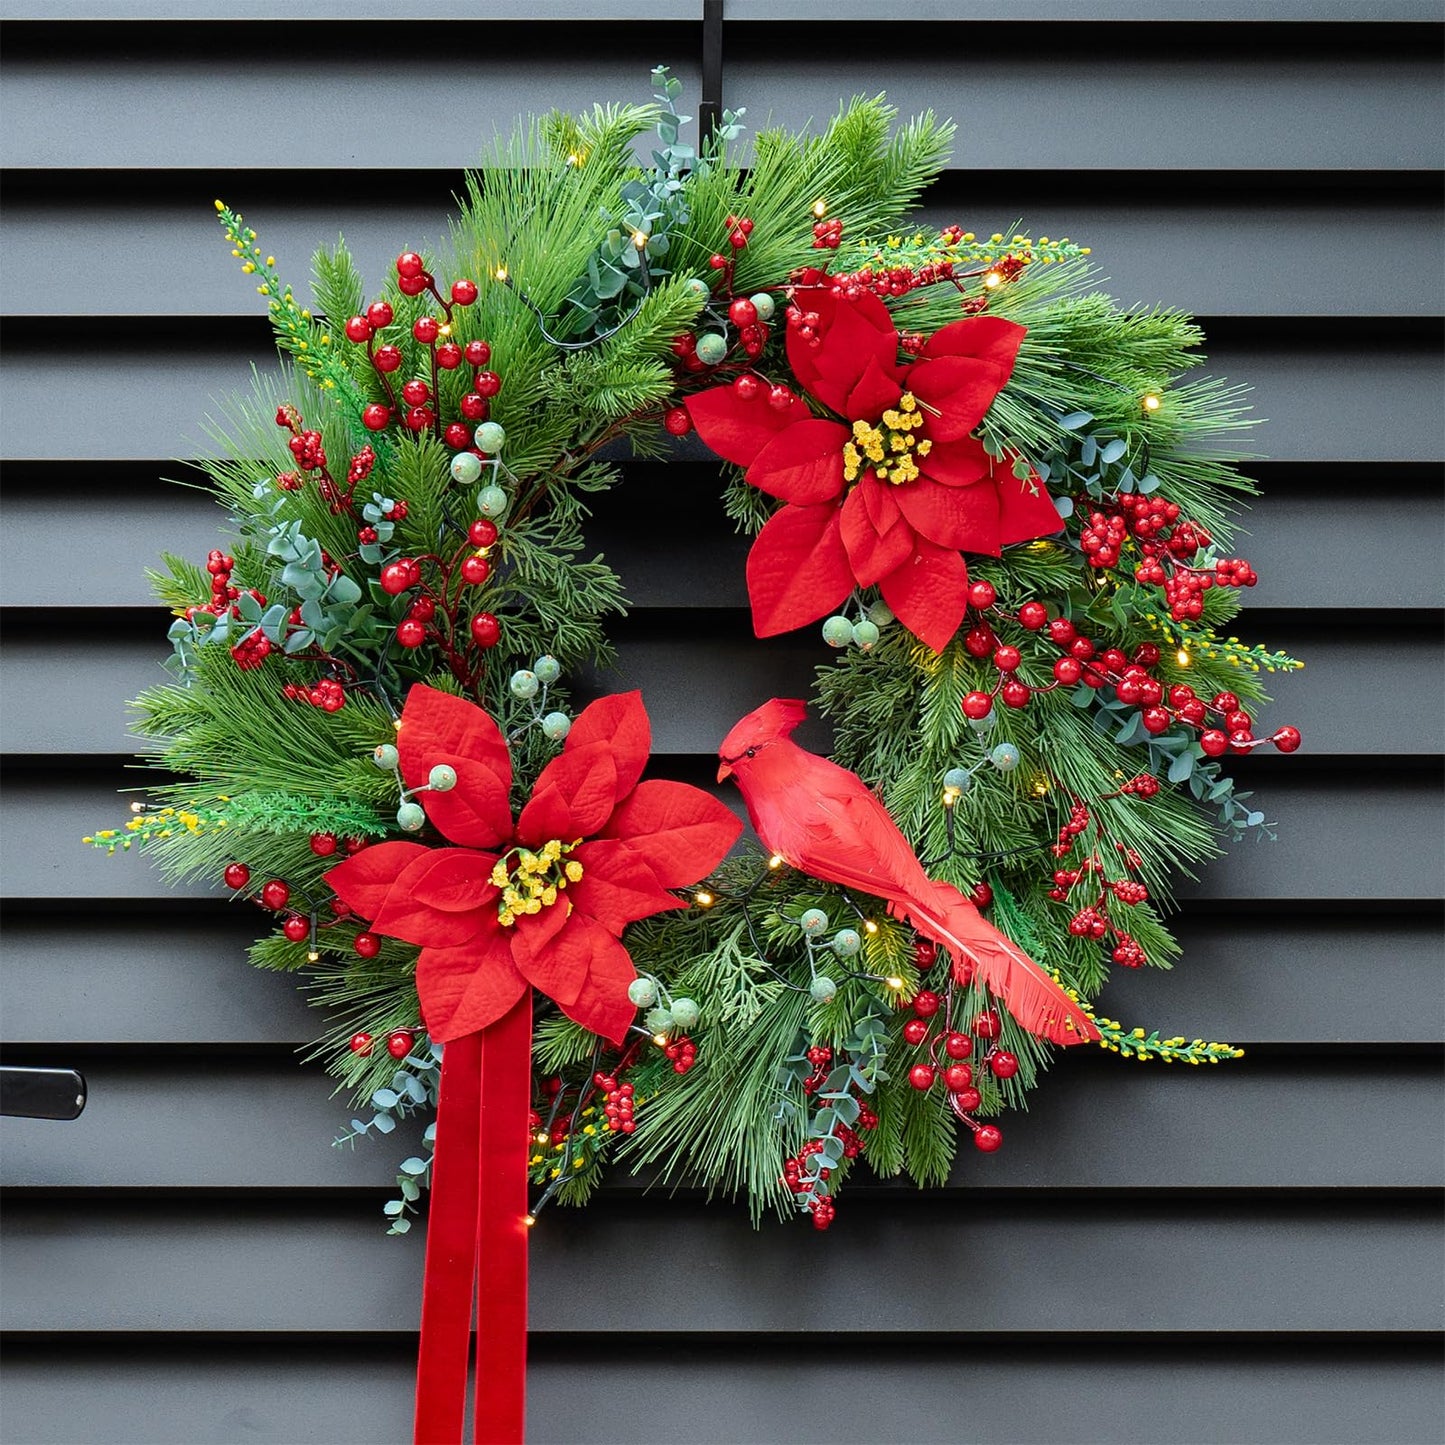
[[751, 753]]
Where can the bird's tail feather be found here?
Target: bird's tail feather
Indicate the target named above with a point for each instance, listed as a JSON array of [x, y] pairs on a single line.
[[1031, 996]]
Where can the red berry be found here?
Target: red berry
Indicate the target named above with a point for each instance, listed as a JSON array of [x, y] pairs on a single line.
[[968, 1099], [426, 329], [1015, 693], [925, 954], [449, 356], [1224, 702], [677, 421], [1004, 1064], [379, 313], [458, 436], [361, 1044], [415, 392], [957, 1046], [237, 876], [1007, 659], [464, 292], [410, 632], [1155, 720], [915, 1031], [478, 353], [987, 1025], [742, 312], [780, 398], [977, 705], [419, 418], [375, 416], [920, 1076], [297, 929], [980, 895], [1033, 615], [957, 1077], [275, 895], [926, 1003], [1214, 743], [1068, 671], [396, 577], [386, 358], [409, 264], [323, 845], [987, 1138], [1286, 739], [476, 570], [398, 1044], [482, 532], [359, 329], [474, 407], [488, 383], [746, 387], [981, 595], [486, 630], [367, 945]]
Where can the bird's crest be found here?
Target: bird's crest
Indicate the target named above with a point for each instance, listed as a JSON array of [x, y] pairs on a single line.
[[776, 718]]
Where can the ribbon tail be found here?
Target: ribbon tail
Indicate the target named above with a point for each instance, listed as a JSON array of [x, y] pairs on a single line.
[[502, 1228], [451, 1248]]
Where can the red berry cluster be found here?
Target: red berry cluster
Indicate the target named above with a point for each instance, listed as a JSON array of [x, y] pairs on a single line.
[[748, 387], [252, 650], [681, 1053], [361, 465], [828, 235], [617, 1102], [1093, 920], [820, 1057], [804, 325], [327, 694]]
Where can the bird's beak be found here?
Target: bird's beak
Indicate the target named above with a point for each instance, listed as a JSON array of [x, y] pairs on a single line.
[[724, 772]]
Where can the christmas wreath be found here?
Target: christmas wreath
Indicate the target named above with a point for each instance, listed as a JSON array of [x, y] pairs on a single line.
[[1004, 498]]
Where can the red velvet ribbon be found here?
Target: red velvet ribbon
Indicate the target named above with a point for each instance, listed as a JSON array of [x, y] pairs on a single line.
[[478, 1227]]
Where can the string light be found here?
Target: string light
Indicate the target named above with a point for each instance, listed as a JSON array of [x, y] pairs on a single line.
[[703, 899], [776, 861], [992, 281], [1182, 657], [137, 807], [312, 956], [528, 1220], [574, 159], [869, 926], [660, 1040], [396, 723], [1151, 401], [951, 796], [541, 1136], [820, 208], [639, 239], [1041, 787], [501, 274], [893, 981]]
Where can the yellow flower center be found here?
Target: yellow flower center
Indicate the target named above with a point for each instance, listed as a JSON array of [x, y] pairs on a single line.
[[531, 881], [889, 448]]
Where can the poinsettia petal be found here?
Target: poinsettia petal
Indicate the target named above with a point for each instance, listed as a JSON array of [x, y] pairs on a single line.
[[619, 720], [602, 1005], [956, 464], [858, 332], [1026, 510], [871, 556], [738, 430], [929, 594], [880, 503], [989, 338], [798, 570], [803, 464], [680, 832], [573, 798], [458, 880], [363, 880], [439, 728], [959, 389], [617, 886], [466, 988], [964, 517], [542, 955], [876, 390], [403, 915]]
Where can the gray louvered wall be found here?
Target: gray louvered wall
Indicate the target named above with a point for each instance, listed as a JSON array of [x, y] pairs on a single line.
[[1247, 1254]]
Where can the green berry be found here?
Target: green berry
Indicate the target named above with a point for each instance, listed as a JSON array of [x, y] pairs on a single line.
[[813, 922], [659, 1020], [880, 614], [1005, 757], [712, 347], [865, 636], [696, 286], [556, 726], [491, 436], [385, 757], [685, 1013], [524, 683], [410, 818], [764, 305], [837, 631], [547, 668], [823, 989], [466, 468], [959, 779], [846, 942], [492, 501], [642, 992], [985, 723], [442, 778]]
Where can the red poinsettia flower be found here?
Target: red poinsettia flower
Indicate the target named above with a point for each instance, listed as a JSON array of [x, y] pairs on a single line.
[[892, 496], [543, 900]]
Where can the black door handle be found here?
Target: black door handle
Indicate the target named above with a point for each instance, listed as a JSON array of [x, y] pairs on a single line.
[[41, 1093]]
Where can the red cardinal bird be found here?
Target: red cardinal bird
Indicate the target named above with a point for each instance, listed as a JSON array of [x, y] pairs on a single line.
[[823, 820]]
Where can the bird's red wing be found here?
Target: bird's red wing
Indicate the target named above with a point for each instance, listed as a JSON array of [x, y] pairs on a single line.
[[851, 840]]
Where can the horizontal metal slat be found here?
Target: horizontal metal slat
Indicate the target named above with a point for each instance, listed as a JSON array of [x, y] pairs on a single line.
[[1308, 388], [735, 1394], [44, 814], [1098, 1123], [1225, 255], [68, 695], [1037, 1269], [137, 979]]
